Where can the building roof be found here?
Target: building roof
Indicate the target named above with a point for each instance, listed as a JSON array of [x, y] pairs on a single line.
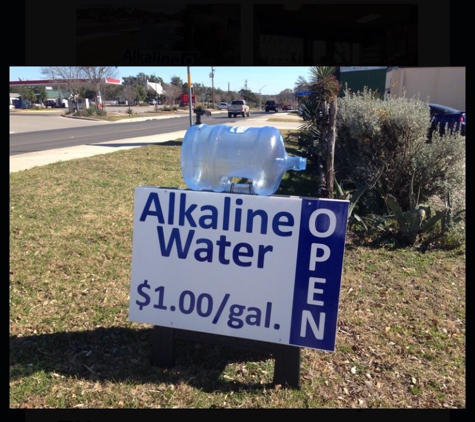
[[49, 82]]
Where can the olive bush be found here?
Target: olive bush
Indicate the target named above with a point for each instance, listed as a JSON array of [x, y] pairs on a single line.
[[91, 111], [390, 135]]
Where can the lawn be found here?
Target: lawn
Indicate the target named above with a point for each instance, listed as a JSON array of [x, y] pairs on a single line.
[[401, 335]]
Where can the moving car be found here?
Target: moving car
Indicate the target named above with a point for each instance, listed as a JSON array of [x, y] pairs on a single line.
[[271, 106], [238, 107], [286, 107], [223, 105], [444, 117]]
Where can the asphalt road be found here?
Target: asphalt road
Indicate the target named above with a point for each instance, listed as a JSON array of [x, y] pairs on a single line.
[[30, 132], [44, 138], [33, 121]]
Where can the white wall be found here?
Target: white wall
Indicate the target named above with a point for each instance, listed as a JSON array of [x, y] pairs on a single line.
[[440, 85]]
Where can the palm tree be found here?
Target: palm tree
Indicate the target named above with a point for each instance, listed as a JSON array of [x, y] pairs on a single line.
[[301, 84], [321, 110]]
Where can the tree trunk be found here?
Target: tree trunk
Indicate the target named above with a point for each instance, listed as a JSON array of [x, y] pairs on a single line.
[[331, 139]]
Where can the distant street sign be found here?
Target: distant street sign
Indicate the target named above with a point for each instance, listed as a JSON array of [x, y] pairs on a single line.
[[303, 93]]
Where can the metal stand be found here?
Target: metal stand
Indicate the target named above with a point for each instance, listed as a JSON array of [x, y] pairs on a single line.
[[199, 113], [287, 358], [198, 117]]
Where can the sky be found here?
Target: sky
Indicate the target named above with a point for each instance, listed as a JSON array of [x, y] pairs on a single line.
[[266, 80]]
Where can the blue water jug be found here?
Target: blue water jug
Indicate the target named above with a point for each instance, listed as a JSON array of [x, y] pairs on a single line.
[[211, 156]]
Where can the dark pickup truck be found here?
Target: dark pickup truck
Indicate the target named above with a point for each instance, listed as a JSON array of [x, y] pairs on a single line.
[[271, 106], [50, 103]]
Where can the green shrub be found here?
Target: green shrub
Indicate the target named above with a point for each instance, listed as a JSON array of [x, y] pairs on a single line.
[[91, 111], [391, 133]]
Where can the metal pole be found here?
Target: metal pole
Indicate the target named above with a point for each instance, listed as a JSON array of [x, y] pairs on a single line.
[[260, 107], [211, 75], [190, 99]]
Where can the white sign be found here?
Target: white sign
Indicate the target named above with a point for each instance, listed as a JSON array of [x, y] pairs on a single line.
[[258, 267], [156, 86]]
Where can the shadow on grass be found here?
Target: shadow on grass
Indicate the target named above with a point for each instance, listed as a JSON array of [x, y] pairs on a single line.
[[124, 355], [171, 143]]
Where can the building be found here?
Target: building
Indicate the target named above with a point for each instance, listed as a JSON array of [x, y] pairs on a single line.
[[60, 95], [358, 78], [440, 85]]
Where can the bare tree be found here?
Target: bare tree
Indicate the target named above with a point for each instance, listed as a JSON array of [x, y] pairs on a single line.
[[76, 78], [286, 96], [96, 76], [130, 94], [71, 77], [172, 92]]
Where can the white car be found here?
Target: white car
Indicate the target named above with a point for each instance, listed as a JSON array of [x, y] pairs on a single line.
[[12, 107], [223, 106]]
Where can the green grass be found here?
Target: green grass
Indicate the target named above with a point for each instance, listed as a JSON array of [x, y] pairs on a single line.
[[401, 332]]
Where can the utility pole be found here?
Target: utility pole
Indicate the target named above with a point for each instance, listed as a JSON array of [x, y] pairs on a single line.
[[211, 75], [260, 108], [190, 98]]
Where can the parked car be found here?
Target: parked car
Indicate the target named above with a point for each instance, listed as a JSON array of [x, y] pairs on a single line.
[[152, 102], [223, 105], [271, 106], [443, 117], [286, 107], [50, 103], [301, 112]]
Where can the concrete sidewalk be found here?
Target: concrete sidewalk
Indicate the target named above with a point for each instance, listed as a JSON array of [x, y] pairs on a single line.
[[34, 159]]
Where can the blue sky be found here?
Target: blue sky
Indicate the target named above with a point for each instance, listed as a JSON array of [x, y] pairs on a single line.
[[269, 80]]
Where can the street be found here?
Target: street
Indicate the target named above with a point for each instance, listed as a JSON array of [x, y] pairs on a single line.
[[31, 132], [47, 138], [51, 118]]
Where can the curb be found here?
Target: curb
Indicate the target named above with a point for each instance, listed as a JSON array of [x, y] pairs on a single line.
[[122, 120], [134, 118]]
